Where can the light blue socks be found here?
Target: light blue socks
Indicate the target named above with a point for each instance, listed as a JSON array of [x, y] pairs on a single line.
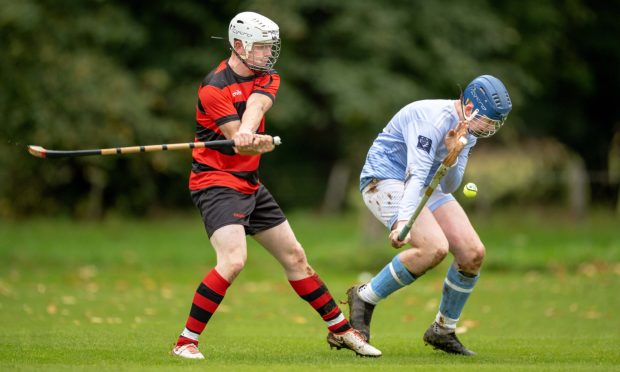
[[456, 290], [391, 278]]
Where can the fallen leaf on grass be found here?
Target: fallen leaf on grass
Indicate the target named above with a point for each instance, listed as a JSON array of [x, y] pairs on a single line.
[[470, 323], [52, 309], [532, 276], [68, 300], [149, 284], [431, 305], [5, 288], [410, 301], [150, 311], [593, 314], [92, 287], [166, 293], [550, 312], [460, 330], [298, 319], [87, 272]]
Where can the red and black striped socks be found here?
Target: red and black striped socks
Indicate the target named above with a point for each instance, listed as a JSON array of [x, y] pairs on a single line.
[[207, 298], [314, 291]]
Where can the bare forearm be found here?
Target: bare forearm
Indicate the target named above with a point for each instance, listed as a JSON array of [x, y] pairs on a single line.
[[252, 118]]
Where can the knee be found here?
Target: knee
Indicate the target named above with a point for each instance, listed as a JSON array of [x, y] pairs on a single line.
[[428, 255], [439, 250], [296, 258], [232, 265], [472, 258]]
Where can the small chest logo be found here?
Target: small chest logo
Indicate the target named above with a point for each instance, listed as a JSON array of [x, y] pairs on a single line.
[[238, 215], [236, 93], [425, 143]]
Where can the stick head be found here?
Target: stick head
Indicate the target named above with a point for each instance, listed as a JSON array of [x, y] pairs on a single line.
[[37, 151]]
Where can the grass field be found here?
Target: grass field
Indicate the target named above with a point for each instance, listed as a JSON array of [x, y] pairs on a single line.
[[114, 295]]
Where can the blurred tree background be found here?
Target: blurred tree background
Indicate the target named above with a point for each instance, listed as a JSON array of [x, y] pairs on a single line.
[[107, 73]]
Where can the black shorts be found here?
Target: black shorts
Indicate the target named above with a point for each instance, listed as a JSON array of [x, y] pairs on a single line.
[[221, 206]]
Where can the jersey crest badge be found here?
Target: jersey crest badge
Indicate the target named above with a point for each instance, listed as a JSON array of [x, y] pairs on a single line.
[[425, 143]]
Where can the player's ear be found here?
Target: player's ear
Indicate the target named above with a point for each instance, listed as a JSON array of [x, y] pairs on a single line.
[[469, 107]]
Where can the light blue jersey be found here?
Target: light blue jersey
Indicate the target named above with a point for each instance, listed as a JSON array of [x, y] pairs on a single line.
[[411, 148]]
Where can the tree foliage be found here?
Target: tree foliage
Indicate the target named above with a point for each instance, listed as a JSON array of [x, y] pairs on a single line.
[[94, 74]]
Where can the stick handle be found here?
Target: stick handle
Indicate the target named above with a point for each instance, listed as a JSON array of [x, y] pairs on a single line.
[[439, 174], [41, 152], [447, 162]]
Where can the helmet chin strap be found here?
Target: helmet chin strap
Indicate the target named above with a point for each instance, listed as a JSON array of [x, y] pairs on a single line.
[[469, 117], [256, 72], [242, 59]]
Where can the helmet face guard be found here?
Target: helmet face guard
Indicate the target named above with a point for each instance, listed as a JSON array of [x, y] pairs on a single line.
[[491, 105], [483, 127], [260, 38], [262, 56]]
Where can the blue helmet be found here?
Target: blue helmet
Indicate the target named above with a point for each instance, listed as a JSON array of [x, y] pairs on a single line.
[[490, 97]]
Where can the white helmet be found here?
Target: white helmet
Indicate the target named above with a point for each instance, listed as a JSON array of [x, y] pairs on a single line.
[[250, 28]]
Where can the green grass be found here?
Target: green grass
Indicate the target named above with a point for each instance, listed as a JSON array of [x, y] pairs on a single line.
[[114, 295]]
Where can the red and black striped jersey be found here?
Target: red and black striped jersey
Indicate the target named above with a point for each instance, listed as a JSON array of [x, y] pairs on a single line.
[[222, 98]]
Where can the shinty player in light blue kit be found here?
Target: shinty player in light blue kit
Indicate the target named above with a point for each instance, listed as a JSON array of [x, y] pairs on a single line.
[[399, 166]]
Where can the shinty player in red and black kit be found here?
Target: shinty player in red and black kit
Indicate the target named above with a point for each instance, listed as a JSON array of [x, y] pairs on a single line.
[[224, 184]]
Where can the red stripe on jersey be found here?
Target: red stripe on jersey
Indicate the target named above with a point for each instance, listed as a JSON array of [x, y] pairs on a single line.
[[223, 162], [198, 181], [216, 282]]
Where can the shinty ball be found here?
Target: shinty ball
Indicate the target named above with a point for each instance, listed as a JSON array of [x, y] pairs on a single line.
[[470, 190]]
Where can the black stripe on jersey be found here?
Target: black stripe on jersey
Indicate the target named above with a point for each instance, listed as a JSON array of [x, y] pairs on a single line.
[[199, 107], [271, 72], [207, 79], [199, 314], [205, 134], [273, 99], [314, 294], [209, 293], [250, 176], [240, 107], [226, 119], [224, 78]]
